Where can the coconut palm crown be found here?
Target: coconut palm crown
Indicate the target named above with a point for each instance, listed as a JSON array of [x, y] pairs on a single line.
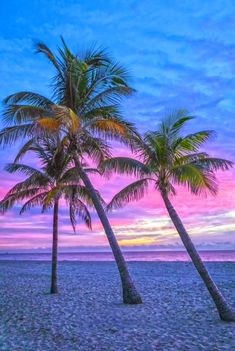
[[86, 91], [56, 178], [169, 159], [45, 186], [84, 112]]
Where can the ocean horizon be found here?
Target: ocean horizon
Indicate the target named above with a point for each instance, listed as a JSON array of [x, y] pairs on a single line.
[[149, 256]]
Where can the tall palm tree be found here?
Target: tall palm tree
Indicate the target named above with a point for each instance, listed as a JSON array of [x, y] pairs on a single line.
[[45, 187], [167, 159], [83, 110]]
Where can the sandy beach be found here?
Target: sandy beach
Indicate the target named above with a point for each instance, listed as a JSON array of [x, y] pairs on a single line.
[[87, 314]]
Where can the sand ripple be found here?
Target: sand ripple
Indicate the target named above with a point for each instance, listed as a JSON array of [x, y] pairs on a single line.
[[87, 315]]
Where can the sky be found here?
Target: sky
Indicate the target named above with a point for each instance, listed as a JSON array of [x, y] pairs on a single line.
[[181, 55]]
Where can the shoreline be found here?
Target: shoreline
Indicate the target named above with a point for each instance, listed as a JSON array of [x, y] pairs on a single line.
[[111, 261], [130, 256]]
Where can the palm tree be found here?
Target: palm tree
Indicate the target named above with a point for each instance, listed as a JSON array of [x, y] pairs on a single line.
[[45, 187], [169, 159], [84, 110]]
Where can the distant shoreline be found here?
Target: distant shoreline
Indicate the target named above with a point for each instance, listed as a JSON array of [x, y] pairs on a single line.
[[133, 256], [109, 251]]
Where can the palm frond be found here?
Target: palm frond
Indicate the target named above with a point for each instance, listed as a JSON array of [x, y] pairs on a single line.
[[10, 135], [78, 208], [21, 114], [34, 201], [133, 192], [174, 122], [41, 48], [11, 199], [188, 158], [52, 194], [101, 112], [192, 142], [114, 128], [196, 178], [96, 56], [22, 168], [35, 180], [75, 190], [34, 99], [124, 165], [111, 95], [94, 148], [157, 150], [70, 175], [49, 123], [92, 170], [215, 164], [24, 149]]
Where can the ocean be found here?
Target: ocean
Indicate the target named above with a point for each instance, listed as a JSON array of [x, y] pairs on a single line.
[[209, 256]]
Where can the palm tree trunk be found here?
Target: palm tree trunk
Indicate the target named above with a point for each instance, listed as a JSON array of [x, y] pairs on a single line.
[[225, 310], [54, 288], [130, 293]]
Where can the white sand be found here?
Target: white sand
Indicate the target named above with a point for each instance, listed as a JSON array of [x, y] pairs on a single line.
[[177, 314]]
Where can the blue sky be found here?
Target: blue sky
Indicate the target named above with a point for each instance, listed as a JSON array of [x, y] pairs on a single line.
[[180, 53]]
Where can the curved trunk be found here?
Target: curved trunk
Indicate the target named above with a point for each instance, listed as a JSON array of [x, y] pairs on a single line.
[[130, 294], [54, 288], [225, 310]]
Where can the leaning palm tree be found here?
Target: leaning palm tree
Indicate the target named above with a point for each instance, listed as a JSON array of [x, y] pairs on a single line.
[[45, 187], [169, 159], [84, 111]]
